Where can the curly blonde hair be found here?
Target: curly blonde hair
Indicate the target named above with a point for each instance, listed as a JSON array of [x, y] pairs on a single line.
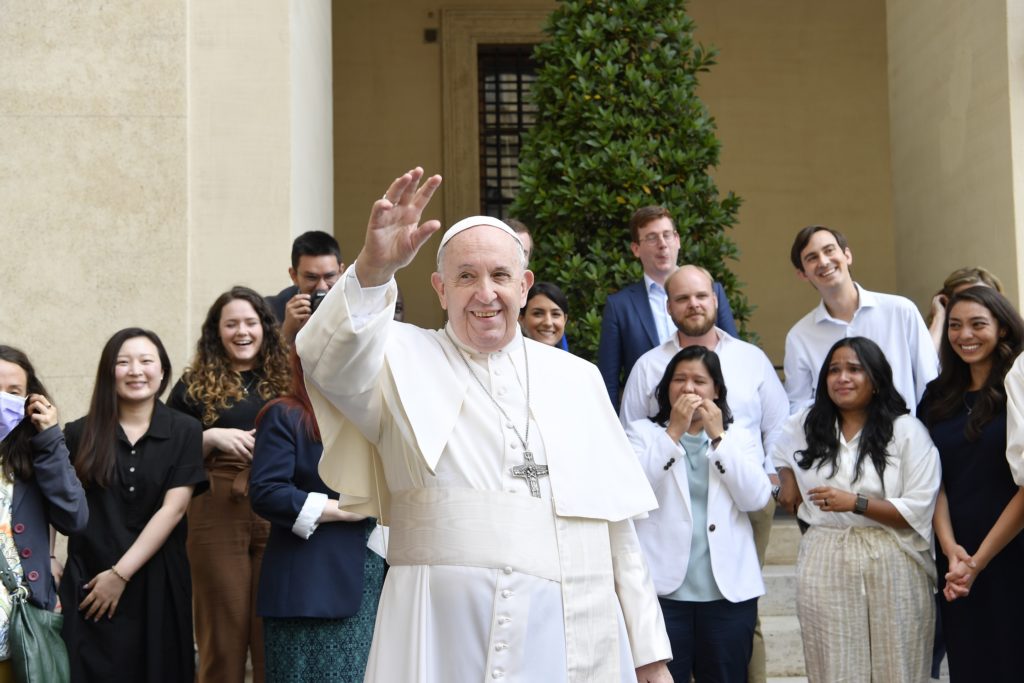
[[209, 380]]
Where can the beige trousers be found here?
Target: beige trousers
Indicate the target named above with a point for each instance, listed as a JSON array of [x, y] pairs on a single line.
[[865, 606]]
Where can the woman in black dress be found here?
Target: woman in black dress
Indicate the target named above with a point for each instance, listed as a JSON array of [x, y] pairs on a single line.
[[980, 511], [126, 590], [241, 363]]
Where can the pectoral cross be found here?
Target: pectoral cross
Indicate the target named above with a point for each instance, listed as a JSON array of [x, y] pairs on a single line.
[[531, 472]]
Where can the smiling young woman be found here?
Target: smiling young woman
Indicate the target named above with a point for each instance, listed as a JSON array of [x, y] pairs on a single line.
[[241, 363], [546, 312], [126, 592], [980, 511]]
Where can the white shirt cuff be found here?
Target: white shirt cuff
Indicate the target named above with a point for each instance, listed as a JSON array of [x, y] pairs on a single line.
[[364, 300], [307, 521]]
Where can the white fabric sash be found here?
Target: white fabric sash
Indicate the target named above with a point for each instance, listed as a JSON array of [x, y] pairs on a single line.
[[472, 528]]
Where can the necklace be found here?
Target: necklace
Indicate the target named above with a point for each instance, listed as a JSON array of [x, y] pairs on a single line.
[[970, 408], [247, 387], [529, 470]]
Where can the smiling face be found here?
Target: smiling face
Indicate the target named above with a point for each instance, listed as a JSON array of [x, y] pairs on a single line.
[[137, 371], [824, 264], [543, 320], [657, 247], [241, 334], [691, 301], [482, 286], [848, 384], [13, 378], [973, 332]]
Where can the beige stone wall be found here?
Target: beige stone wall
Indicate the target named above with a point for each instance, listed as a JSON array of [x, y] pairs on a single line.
[[93, 182], [145, 167], [954, 175], [799, 94], [800, 97]]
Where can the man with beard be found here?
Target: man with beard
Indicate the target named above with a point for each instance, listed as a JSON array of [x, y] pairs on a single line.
[[635, 319], [756, 397]]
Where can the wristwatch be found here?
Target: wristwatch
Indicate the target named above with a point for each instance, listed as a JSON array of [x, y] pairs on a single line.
[[775, 493], [861, 506]]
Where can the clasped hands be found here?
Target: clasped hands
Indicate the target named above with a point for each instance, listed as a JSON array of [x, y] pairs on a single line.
[[690, 408], [963, 570]]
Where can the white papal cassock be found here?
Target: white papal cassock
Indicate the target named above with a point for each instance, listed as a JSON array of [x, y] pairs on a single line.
[[487, 582]]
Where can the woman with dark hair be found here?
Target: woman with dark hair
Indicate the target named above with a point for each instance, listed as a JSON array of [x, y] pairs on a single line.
[[699, 543], [126, 591], [320, 583], [980, 510], [38, 488], [868, 474], [545, 314], [241, 363]]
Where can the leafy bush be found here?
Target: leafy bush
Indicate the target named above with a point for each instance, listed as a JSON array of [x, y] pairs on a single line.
[[619, 127]]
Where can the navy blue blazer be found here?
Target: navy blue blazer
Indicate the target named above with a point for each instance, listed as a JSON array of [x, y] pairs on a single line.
[[52, 496], [321, 576], [628, 332], [277, 302]]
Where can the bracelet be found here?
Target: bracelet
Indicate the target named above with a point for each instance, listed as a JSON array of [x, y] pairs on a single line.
[[113, 569]]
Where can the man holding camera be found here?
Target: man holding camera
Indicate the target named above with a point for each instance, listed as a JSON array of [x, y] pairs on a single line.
[[316, 266]]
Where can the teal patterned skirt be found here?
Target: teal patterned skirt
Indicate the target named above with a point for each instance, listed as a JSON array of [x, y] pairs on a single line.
[[307, 649]]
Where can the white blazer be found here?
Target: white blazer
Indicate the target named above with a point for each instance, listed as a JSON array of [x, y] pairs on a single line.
[[737, 484]]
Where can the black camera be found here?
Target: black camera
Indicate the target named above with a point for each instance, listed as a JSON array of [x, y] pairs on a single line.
[[315, 298]]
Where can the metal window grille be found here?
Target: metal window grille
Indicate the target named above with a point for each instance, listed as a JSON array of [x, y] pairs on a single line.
[[506, 73]]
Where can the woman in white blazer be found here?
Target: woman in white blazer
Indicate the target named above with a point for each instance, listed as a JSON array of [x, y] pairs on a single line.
[[698, 543]]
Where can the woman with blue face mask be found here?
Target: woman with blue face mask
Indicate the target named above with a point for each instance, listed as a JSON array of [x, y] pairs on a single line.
[[38, 488]]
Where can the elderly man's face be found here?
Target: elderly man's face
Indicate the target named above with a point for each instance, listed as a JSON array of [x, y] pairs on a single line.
[[482, 285]]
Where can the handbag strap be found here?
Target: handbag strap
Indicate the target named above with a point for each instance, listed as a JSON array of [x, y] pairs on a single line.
[[8, 579]]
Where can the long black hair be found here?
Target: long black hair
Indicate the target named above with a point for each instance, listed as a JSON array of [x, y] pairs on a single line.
[[945, 394], [16, 453], [714, 368], [824, 419], [95, 457]]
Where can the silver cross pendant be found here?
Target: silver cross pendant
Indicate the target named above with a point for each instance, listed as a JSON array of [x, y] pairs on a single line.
[[531, 472]]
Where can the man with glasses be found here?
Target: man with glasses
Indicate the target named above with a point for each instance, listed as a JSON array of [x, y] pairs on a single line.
[[636, 318], [316, 266]]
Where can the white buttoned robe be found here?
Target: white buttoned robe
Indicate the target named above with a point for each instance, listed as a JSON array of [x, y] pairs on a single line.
[[402, 419]]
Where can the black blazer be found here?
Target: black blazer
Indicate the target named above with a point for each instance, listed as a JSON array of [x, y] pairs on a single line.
[[321, 576]]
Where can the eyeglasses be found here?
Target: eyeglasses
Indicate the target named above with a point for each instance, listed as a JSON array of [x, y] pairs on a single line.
[[656, 237]]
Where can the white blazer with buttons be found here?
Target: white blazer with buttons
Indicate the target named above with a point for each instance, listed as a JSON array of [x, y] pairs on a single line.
[[737, 484]]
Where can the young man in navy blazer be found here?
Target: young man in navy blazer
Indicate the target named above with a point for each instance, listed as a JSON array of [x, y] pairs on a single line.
[[636, 318]]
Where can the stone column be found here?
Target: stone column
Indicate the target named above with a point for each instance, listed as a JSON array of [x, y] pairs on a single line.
[[955, 97]]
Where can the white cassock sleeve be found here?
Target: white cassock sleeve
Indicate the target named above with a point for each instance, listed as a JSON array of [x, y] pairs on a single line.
[[641, 611], [1014, 384]]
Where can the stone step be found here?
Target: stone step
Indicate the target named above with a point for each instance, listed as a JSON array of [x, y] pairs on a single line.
[[783, 647], [779, 599], [784, 543]]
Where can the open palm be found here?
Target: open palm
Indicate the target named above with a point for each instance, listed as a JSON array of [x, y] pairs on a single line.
[[394, 234]]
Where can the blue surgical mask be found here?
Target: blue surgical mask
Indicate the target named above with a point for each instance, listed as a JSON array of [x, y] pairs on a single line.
[[12, 412]]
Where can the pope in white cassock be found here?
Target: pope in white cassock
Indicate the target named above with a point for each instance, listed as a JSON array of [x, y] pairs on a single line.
[[505, 477]]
